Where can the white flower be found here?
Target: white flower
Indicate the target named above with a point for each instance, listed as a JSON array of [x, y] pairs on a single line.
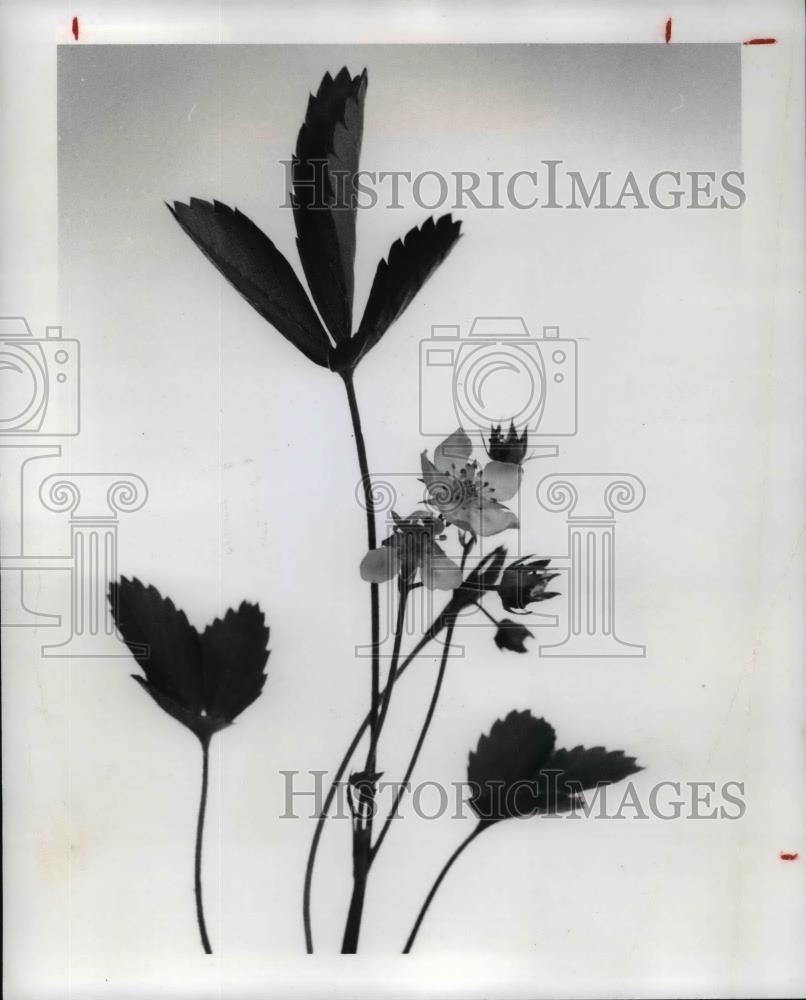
[[412, 546], [464, 493]]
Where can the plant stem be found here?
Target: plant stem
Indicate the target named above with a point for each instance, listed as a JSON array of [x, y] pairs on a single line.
[[390, 680], [362, 827], [446, 868], [429, 715], [363, 837], [436, 627], [374, 603], [205, 940], [486, 612]]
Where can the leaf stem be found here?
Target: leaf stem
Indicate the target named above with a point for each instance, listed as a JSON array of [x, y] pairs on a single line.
[[362, 835], [390, 680], [445, 869], [429, 715], [486, 612], [362, 838], [205, 940], [435, 628], [362, 829], [420, 739]]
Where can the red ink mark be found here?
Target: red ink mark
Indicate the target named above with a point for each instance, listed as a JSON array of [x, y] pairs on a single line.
[[74, 28], [668, 33], [760, 41], [785, 856]]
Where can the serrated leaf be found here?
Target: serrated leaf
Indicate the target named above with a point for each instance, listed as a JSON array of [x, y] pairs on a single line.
[[148, 620], [203, 681], [513, 752], [410, 263], [343, 163], [329, 141], [252, 264], [234, 657], [515, 770], [585, 768]]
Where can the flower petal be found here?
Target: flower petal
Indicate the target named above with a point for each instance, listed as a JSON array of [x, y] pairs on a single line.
[[493, 518], [453, 452], [503, 479], [442, 491], [380, 565], [429, 469], [461, 516]]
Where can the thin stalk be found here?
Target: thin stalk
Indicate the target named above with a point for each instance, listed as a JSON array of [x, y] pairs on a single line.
[[374, 601], [205, 940], [420, 740], [429, 715], [436, 627], [446, 868], [390, 680], [363, 838], [362, 827], [486, 612]]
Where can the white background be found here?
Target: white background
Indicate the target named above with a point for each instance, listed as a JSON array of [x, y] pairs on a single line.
[[692, 379]]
